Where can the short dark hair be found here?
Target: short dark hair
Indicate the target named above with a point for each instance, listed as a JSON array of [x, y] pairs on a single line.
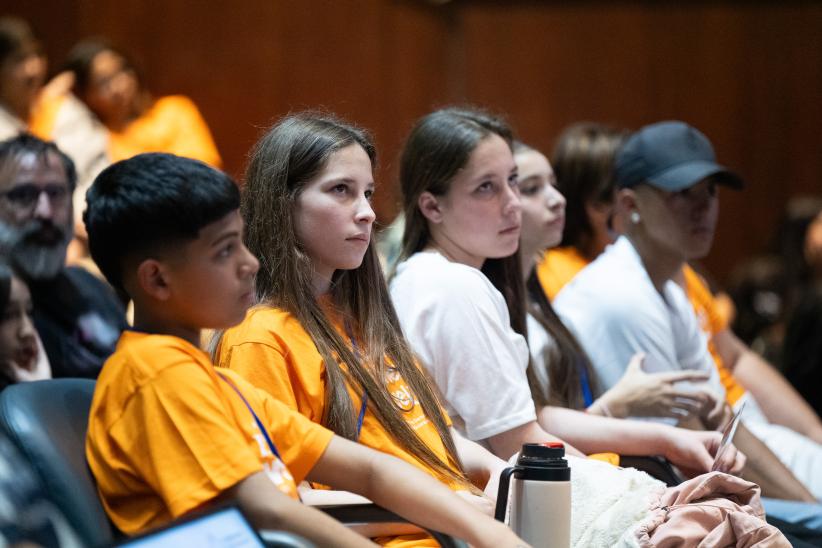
[[152, 201], [15, 35], [81, 58], [26, 143]]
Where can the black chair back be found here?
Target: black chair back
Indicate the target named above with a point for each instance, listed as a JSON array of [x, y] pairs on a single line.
[[47, 422]]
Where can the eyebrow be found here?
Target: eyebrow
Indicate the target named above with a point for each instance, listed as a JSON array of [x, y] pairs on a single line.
[[225, 236], [348, 180]]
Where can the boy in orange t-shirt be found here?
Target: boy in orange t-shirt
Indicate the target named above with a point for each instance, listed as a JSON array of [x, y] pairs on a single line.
[[167, 433]]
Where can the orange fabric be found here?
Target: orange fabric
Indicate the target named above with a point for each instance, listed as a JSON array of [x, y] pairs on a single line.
[[711, 322], [271, 349], [166, 434], [610, 458], [557, 267], [172, 124], [44, 116]]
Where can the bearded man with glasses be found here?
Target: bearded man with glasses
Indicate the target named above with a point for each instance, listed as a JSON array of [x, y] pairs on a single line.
[[77, 315]]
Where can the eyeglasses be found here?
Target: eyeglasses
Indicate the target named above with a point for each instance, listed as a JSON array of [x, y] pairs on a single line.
[[25, 196]]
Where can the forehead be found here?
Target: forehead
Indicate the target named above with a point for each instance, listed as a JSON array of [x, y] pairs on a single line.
[[105, 63], [30, 167], [532, 162], [491, 153]]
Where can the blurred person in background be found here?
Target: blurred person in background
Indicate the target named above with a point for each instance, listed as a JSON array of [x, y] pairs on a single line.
[[77, 315], [22, 357], [109, 83], [802, 350]]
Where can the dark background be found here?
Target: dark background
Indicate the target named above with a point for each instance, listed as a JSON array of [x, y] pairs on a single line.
[[749, 74]]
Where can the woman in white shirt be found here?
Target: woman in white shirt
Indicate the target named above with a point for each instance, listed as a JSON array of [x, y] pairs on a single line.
[[460, 297]]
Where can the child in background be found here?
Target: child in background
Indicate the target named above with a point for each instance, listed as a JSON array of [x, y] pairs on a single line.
[[21, 353], [167, 433]]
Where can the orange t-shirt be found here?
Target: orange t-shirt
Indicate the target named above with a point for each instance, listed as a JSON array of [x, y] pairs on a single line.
[[166, 434], [557, 267], [172, 124], [273, 352], [711, 321]]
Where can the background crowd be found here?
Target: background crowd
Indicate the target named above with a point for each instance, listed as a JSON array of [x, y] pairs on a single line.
[[587, 216]]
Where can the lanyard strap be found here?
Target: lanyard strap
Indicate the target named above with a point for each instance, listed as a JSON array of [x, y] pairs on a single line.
[[260, 424], [587, 396], [364, 404]]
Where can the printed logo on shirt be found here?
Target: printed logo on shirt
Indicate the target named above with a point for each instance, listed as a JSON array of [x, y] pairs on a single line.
[[274, 468]]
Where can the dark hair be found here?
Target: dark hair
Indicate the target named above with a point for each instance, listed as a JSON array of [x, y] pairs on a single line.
[[583, 161], [81, 58], [6, 275], [439, 145], [15, 35], [294, 151], [564, 361], [152, 201], [26, 143]]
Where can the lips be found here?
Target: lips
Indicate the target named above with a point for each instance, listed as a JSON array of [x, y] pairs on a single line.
[[26, 355], [510, 230], [364, 238]]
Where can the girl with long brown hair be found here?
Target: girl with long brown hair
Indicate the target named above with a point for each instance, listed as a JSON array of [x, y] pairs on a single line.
[[324, 337], [460, 296]]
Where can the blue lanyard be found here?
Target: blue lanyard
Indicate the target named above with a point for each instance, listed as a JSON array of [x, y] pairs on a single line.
[[356, 350], [260, 424], [587, 396]]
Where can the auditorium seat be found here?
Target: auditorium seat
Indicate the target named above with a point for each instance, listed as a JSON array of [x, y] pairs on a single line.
[[46, 421]]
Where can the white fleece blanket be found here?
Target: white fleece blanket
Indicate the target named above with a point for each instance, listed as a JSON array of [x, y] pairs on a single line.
[[607, 503]]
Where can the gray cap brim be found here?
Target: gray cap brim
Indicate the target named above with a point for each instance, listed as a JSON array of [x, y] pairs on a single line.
[[688, 174]]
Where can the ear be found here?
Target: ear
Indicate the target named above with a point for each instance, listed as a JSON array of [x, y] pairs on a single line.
[[430, 207], [152, 279], [626, 203]]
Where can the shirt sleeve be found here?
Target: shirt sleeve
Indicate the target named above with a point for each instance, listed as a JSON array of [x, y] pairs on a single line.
[[182, 442], [476, 359], [192, 137], [264, 366], [300, 441]]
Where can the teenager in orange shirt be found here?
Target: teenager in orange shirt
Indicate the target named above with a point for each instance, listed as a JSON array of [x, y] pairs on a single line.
[[324, 337], [168, 433]]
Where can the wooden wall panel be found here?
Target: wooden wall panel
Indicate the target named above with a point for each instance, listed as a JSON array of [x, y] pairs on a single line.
[[749, 74]]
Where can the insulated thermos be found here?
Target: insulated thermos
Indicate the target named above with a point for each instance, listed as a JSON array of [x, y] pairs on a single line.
[[540, 509]]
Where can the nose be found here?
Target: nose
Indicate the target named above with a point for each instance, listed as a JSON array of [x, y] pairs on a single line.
[[43, 208], [250, 265], [365, 213], [26, 328], [35, 67], [554, 198], [511, 199]]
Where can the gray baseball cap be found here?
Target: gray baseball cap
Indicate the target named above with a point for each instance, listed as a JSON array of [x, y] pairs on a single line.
[[671, 156]]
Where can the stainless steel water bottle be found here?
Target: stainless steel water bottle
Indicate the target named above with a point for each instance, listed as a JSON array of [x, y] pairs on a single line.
[[540, 509]]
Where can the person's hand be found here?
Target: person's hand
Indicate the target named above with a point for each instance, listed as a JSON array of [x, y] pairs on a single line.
[[715, 412], [641, 394], [693, 452]]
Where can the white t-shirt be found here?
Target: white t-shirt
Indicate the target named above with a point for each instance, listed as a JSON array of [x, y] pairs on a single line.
[[458, 325], [614, 310]]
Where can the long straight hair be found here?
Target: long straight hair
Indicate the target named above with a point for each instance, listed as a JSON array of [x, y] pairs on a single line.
[[583, 160], [563, 362], [289, 155], [439, 145]]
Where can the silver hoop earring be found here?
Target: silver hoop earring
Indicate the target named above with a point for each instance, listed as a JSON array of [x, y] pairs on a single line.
[[635, 217]]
